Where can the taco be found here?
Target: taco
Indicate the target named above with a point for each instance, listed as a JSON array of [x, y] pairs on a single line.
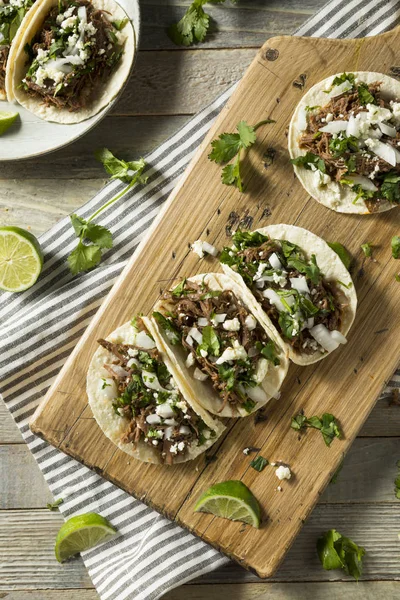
[[71, 60], [13, 16], [298, 285], [232, 364], [140, 403], [344, 141]]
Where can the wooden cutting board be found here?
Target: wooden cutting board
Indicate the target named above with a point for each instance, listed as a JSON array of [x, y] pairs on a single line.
[[347, 383]]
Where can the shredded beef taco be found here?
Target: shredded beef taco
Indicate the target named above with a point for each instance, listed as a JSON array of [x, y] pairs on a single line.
[[299, 286], [232, 364], [138, 399], [72, 59], [344, 141], [13, 16]]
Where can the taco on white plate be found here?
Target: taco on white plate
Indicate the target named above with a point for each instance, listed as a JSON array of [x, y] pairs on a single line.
[[232, 364], [344, 141], [14, 16], [140, 402], [298, 285], [71, 59]]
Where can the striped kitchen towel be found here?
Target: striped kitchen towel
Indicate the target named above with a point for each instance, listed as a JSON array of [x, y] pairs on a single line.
[[38, 330]]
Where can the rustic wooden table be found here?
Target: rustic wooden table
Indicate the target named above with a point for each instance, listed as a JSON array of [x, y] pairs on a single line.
[[170, 85]]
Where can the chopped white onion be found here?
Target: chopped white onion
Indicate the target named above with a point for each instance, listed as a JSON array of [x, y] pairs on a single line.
[[196, 335], [200, 375], [387, 129], [274, 299], [171, 422], [165, 411], [353, 127], [189, 341], [202, 322], [119, 371], [219, 318], [274, 261], [82, 15], [337, 90], [257, 394], [338, 337], [365, 182], [150, 380], [384, 151], [144, 341], [250, 322], [260, 284], [310, 323], [334, 127], [302, 120], [323, 336], [133, 361], [190, 360], [153, 420], [210, 249], [184, 430], [168, 433], [299, 284]]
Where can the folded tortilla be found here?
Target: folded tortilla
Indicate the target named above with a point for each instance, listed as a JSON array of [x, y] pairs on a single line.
[[333, 271], [332, 194], [204, 391], [102, 393], [102, 93]]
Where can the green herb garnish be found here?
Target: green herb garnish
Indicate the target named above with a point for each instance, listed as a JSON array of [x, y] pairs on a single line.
[[172, 334], [364, 95], [390, 188], [259, 463], [309, 159], [395, 244], [338, 552], [327, 425], [341, 252], [230, 145], [367, 249], [93, 239], [54, 505], [193, 26]]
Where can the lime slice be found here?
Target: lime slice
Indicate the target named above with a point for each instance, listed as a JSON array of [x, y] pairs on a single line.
[[231, 500], [82, 533], [21, 259], [6, 120]]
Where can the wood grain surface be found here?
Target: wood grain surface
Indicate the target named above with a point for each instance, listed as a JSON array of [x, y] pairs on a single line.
[[346, 383]]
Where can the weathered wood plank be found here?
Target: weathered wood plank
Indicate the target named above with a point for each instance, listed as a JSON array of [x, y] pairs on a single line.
[[128, 137], [27, 550], [364, 590], [367, 476], [9, 433]]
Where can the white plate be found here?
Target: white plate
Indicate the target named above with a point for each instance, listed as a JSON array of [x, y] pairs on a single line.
[[30, 136]]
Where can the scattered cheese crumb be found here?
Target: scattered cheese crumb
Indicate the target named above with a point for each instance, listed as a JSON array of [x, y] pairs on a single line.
[[283, 472]]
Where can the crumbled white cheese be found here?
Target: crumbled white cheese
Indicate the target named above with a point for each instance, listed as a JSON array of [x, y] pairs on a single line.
[[190, 360], [283, 472], [280, 279], [236, 352], [246, 451], [329, 118], [155, 442], [260, 270], [197, 248], [69, 22], [250, 322], [231, 324], [181, 446], [181, 404], [377, 114], [174, 449], [203, 353], [101, 51], [133, 352]]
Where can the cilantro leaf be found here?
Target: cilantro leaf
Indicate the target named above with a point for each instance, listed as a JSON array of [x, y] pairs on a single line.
[[367, 249], [364, 95], [336, 551], [127, 172], [341, 252], [54, 505], [259, 463], [390, 188], [343, 145], [179, 290], [230, 145], [119, 24], [171, 333], [84, 258], [309, 159], [395, 243], [327, 425], [193, 26], [210, 341], [269, 352]]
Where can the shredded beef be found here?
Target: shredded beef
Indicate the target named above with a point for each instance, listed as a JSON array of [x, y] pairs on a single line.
[[3, 63]]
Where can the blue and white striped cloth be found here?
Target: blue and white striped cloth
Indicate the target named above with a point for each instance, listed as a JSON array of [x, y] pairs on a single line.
[[39, 328]]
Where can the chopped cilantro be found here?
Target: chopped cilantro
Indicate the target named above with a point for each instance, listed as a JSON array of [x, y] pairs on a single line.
[[309, 159], [54, 505], [248, 405], [390, 188], [367, 249], [259, 463], [171, 333], [210, 342], [364, 95], [327, 425], [341, 252], [105, 384], [269, 352], [395, 244], [338, 552], [343, 145]]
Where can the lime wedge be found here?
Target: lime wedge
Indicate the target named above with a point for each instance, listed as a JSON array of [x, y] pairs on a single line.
[[6, 120], [82, 533], [21, 259], [231, 500]]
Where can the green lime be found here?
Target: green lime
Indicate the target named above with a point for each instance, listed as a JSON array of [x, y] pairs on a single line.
[[82, 533], [6, 120], [21, 259], [231, 500]]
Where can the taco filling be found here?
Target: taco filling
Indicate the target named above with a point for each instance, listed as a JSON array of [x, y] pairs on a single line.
[[74, 52], [11, 14], [305, 308], [144, 393], [355, 140], [224, 342]]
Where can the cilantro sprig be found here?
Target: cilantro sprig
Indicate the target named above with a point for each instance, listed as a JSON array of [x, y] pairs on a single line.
[[327, 425], [395, 245], [193, 26], [336, 551], [230, 146], [93, 238], [342, 253]]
